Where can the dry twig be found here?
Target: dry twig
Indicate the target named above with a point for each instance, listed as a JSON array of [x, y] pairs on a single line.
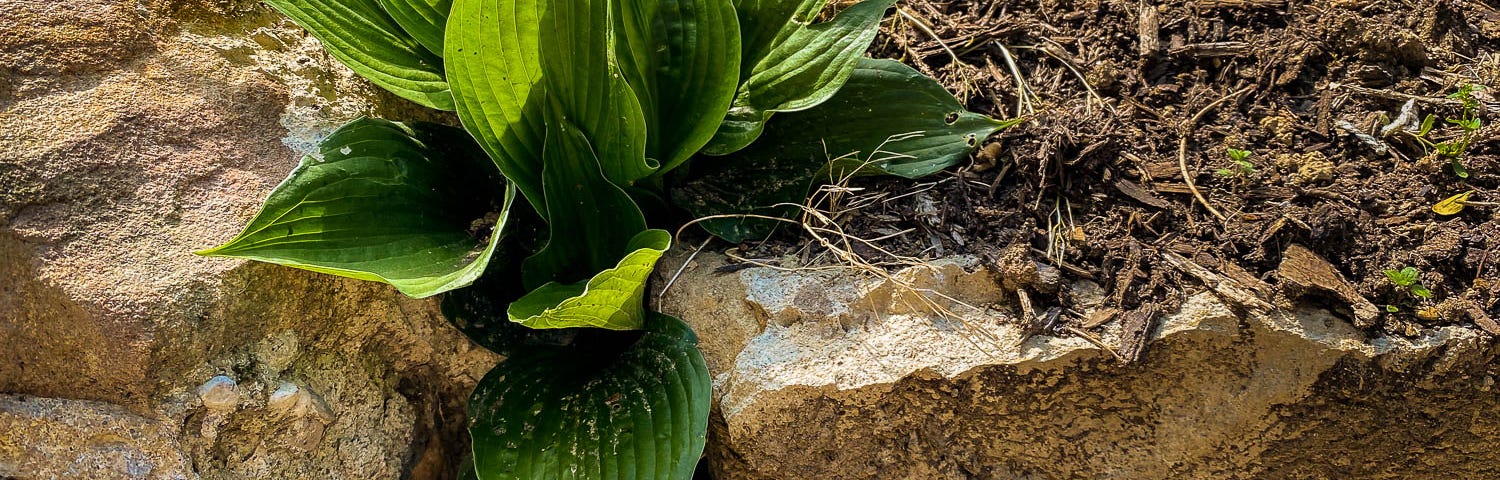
[[1187, 131]]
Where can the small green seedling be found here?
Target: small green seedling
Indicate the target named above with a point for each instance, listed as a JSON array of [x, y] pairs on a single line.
[[1468, 121], [1406, 279], [1240, 164]]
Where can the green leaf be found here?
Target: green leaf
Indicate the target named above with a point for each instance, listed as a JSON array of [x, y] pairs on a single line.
[[409, 205], [888, 119], [765, 24], [595, 145], [1451, 148], [1239, 156], [1426, 125], [804, 68], [493, 60], [424, 20], [572, 412], [587, 89], [1404, 277], [612, 299], [682, 58], [1458, 167], [697, 74], [1420, 290], [595, 220], [364, 37]]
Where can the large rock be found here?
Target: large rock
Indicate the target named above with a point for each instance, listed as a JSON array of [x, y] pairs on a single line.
[[52, 438], [829, 374], [131, 134]]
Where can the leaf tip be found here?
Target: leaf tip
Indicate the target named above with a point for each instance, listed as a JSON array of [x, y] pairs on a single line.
[[210, 252]]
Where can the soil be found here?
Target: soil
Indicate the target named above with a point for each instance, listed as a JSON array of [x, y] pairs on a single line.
[[1125, 97]]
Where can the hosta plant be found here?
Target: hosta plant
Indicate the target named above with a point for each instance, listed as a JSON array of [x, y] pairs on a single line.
[[587, 127]]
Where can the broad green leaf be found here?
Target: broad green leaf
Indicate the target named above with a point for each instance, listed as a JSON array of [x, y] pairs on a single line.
[[493, 60], [804, 68], [424, 20], [636, 50], [578, 413], [766, 23], [363, 36], [888, 119], [595, 145], [416, 206], [614, 299], [587, 89], [594, 220], [697, 72]]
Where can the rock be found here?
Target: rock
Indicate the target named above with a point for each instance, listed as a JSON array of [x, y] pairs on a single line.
[[219, 394], [827, 375], [51, 438], [131, 134]]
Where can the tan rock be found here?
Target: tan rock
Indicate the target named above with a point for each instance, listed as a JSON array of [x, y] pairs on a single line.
[[838, 380], [51, 438], [131, 134]]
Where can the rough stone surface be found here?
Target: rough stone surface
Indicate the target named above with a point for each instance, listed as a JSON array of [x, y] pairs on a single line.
[[133, 132], [833, 375], [52, 438]]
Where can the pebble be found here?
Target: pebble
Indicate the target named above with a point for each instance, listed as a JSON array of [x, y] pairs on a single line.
[[219, 394]]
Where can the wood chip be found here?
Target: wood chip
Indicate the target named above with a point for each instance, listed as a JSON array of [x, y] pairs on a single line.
[[1160, 170], [1135, 332], [1240, 3], [1148, 28], [1212, 49], [1173, 188], [1225, 288], [1307, 271], [1142, 195], [1099, 317], [1483, 320]]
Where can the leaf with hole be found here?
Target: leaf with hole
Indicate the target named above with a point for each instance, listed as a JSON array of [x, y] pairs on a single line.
[[413, 205], [585, 412], [365, 38], [888, 119]]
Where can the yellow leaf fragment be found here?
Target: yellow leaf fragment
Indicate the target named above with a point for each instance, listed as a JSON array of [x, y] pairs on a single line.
[[1452, 205]]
